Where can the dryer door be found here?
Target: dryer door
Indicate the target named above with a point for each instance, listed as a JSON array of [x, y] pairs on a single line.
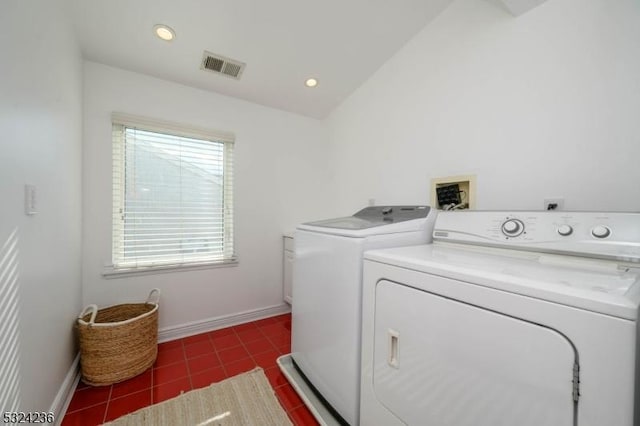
[[442, 362]]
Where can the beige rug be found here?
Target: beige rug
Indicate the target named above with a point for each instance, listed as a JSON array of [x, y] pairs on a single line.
[[246, 399]]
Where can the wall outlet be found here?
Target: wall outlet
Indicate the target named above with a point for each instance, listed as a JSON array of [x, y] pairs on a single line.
[[551, 204]]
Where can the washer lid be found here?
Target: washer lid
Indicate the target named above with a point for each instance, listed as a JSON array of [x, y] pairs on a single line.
[[594, 285], [374, 220]]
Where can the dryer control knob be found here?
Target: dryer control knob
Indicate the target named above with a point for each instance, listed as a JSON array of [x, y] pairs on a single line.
[[512, 227], [600, 231], [565, 230]]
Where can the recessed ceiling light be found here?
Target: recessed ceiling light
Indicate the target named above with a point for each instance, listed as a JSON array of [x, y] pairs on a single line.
[[311, 82], [164, 32]]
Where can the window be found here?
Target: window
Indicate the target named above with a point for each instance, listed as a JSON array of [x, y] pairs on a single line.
[[172, 195]]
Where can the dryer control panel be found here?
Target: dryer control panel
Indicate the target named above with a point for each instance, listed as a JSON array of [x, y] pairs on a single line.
[[592, 234]]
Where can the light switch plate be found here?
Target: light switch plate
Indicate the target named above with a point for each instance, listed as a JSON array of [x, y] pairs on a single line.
[[30, 200]]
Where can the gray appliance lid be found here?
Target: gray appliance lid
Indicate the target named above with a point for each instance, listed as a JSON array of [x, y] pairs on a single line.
[[373, 216]]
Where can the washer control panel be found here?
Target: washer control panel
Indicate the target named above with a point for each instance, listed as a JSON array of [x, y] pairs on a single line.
[[593, 234], [512, 227], [600, 231], [565, 230]]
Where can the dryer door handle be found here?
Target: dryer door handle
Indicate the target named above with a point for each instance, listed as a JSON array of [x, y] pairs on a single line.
[[393, 350]]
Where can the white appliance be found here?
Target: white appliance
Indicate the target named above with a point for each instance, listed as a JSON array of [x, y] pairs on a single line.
[[327, 292], [508, 318]]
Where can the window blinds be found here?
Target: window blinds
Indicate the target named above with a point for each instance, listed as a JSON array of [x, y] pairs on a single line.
[[172, 195]]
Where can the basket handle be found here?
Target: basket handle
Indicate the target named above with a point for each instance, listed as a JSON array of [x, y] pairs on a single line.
[[86, 310], [155, 292]]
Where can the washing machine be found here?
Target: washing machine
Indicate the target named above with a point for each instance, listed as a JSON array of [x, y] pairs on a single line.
[[326, 309], [508, 318]]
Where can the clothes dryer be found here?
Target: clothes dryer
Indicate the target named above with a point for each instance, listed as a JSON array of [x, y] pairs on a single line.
[[508, 318]]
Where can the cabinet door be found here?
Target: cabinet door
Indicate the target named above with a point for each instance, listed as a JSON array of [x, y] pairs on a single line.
[[438, 361], [288, 275]]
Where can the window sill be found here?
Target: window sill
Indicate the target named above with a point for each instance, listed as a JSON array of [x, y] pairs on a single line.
[[113, 273]]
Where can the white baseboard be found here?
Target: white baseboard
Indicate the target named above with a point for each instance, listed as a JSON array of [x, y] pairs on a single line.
[[64, 395], [210, 324]]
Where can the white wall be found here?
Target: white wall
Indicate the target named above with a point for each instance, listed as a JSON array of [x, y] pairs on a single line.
[[546, 104], [280, 180], [40, 124]]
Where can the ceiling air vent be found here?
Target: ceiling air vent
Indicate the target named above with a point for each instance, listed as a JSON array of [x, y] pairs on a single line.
[[222, 65]]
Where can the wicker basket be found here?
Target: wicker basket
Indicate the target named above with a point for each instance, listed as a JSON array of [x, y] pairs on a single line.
[[118, 342]]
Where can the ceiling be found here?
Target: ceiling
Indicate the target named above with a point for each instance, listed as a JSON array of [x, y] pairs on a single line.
[[283, 42]]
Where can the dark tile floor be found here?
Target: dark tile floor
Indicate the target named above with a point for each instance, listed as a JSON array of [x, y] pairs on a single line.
[[195, 362]]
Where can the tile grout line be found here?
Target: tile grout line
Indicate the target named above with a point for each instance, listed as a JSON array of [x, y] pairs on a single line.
[[245, 347], [186, 361], [275, 388], [153, 376], [215, 350], [268, 339], [273, 347], [106, 409], [273, 344]]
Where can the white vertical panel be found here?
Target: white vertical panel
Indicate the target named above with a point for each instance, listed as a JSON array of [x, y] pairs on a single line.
[[9, 331]]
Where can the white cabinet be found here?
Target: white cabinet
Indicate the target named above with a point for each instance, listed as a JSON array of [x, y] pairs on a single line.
[[287, 265]]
